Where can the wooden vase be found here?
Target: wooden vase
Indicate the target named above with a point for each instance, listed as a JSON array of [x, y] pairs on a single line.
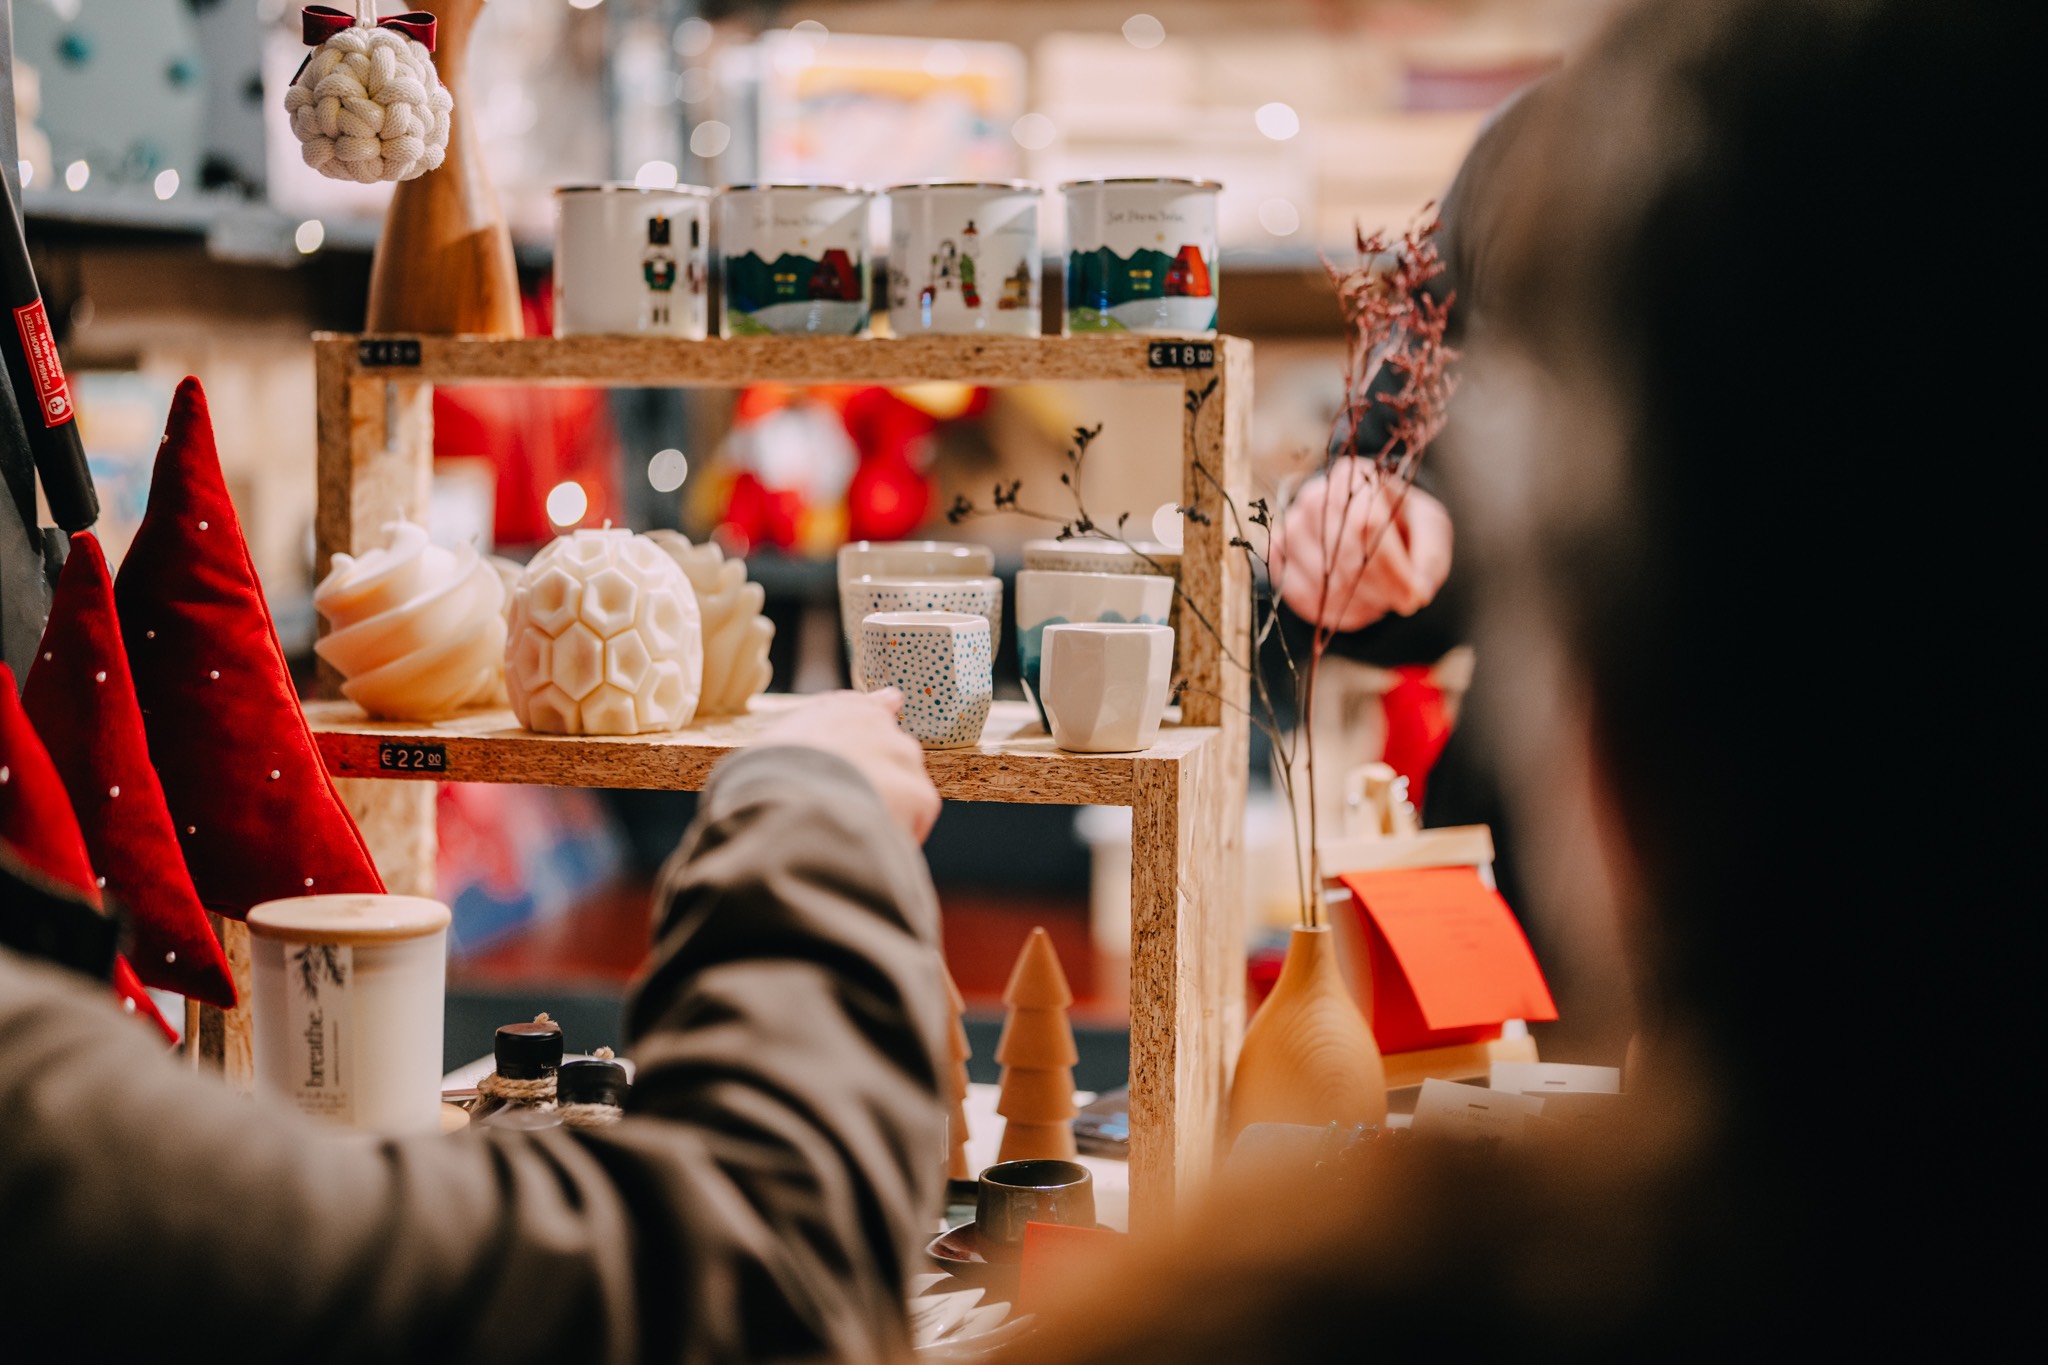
[[444, 262], [1309, 1056]]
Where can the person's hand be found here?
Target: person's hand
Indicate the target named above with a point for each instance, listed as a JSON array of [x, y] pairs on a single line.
[[1319, 549], [861, 728]]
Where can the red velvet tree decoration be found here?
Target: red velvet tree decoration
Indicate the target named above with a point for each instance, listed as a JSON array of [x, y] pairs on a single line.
[[82, 703], [36, 822], [247, 792]]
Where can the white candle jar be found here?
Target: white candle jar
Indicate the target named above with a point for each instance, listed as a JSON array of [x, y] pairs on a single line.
[[794, 260], [964, 259], [1141, 256], [348, 992], [632, 260]]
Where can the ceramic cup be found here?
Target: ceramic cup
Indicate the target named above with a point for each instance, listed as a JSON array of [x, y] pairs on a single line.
[[1091, 554], [1105, 684], [920, 559], [347, 993], [1141, 256], [629, 259], [963, 259], [940, 661], [866, 595], [1013, 1193], [1051, 597], [794, 260]]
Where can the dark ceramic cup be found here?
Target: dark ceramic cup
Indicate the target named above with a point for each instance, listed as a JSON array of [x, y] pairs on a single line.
[[1014, 1193]]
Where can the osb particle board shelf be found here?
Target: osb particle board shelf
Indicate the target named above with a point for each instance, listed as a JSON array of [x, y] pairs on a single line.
[[375, 439], [1015, 761]]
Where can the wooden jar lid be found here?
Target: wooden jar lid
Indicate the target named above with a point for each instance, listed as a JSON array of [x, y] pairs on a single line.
[[348, 918]]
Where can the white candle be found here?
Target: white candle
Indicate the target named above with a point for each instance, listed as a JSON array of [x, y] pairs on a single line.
[[417, 630], [348, 997]]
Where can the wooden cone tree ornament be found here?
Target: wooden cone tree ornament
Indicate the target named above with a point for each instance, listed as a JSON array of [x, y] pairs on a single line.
[[81, 701], [443, 265], [248, 794], [1309, 1056], [1037, 1055], [957, 1053], [37, 824]]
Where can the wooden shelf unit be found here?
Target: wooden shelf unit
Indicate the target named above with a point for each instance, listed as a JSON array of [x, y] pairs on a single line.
[[1186, 793]]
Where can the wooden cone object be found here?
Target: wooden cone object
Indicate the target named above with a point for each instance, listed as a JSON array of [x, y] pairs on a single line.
[[444, 261], [1037, 1054], [1309, 1056], [957, 1053]]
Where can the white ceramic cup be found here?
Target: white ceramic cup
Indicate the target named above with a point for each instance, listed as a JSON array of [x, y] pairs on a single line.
[[1141, 256], [963, 259], [904, 559], [347, 993], [1048, 597], [632, 260], [868, 594], [794, 260], [1092, 554], [941, 662], [1105, 684]]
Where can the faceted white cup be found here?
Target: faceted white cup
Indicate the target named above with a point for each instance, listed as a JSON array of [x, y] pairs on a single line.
[[940, 661], [1105, 684]]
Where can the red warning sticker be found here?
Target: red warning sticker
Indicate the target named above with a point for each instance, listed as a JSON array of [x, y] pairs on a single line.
[[53, 395]]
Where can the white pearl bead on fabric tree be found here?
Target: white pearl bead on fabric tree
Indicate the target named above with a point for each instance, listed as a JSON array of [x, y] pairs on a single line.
[[605, 639], [368, 105]]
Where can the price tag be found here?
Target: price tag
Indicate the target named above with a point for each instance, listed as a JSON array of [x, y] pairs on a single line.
[[1182, 355], [385, 353], [394, 756], [1448, 1109]]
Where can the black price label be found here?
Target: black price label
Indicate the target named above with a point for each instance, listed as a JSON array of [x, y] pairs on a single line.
[[385, 353], [1183, 355], [396, 757]]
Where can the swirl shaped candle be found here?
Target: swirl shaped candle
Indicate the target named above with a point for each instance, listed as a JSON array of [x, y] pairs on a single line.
[[417, 629], [605, 638], [736, 634]]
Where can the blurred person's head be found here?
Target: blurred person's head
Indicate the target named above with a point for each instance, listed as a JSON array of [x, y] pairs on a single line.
[[1740, 425]]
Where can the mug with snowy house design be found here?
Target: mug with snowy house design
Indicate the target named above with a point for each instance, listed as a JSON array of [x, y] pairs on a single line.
[[963, 258], [795, 260], [1141, 256]]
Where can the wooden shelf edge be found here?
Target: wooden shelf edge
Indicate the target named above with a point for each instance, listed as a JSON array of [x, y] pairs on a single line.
[[1015, 762], [653, 362]]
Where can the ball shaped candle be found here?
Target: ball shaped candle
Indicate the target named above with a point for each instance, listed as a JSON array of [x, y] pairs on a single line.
[[605, 638], [736, 634], [418, 630]]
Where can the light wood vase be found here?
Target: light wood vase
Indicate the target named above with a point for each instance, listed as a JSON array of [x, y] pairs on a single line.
[[444, 262], [1309, 1056]]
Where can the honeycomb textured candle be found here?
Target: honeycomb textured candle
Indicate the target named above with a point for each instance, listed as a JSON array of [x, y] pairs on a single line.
[[605, 639], [736, 634], [418, 630]]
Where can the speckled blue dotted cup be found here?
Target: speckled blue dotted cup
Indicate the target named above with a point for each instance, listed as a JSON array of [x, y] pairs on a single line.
[[862, 597], [941, 662]]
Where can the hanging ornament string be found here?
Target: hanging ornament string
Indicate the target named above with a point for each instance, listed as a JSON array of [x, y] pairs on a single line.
[[367, 105]]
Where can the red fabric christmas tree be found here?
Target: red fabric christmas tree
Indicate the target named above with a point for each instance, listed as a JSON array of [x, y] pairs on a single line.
[[82, 703], [248, 794], [36, 822]]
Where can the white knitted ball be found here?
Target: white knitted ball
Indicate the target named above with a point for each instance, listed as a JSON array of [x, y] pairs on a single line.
[[369, 106]]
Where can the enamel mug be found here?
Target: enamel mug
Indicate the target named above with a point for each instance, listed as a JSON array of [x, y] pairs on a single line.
[[632, 260], [1142, 256], [963, 259], [794, 259]]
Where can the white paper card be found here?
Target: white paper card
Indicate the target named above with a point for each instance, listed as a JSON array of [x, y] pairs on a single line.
[[934, 1315], [1555, 1078], [1448, 1109]]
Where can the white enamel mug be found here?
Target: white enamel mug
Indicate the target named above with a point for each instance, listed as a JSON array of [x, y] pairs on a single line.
[[632, 260], [794, 259], [1105, 684], [964, 259], [1141, 256]]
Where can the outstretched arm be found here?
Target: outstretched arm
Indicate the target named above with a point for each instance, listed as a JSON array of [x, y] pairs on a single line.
[[760, 1202]]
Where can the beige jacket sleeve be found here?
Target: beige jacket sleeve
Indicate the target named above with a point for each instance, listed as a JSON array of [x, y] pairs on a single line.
[[763, 1200]]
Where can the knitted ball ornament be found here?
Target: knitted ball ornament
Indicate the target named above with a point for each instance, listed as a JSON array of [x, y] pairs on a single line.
[[368, 105]]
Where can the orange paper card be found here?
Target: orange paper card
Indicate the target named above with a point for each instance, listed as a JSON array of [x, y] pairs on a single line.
[[1449, 963], [1060, 1261]]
